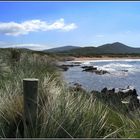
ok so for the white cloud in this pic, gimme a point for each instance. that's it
(23, 28)
(31, 46)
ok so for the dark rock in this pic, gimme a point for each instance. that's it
(110, 95)
(77, 84)
(78, 87)
(89, 68)
(101, 72)
(66, 65)
(125, 70)
(104, 90)
(134, 102)
(94, 70)
(84, 67)
(111, 91)
(63, 67)
(70, 65)
(123, 93)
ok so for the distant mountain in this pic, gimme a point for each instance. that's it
(117, 48)
(114, 48)
(22, 49)
(61, 49)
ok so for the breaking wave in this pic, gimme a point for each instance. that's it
(125, 65)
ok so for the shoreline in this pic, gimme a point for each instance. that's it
(103, 58)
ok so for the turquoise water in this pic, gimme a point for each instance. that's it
(122, 73)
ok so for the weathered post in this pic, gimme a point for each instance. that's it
(30, 89)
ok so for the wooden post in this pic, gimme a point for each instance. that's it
(30, 89)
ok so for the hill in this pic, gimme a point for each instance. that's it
(114, 48)
(117, 48)
(61, 49)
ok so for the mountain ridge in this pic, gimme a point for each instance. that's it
(110, 48)
(63, 48)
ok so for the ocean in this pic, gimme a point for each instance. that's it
(122, 73)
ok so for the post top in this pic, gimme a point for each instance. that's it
(30, 79)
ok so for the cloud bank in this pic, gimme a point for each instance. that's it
(28, 46)
(31, 46)
(23, 28)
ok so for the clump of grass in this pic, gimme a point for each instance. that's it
(15, 55)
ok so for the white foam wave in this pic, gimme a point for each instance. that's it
(87, 62)
(120, 68)
(138, 97)
(114, 65)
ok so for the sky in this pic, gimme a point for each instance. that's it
(45, 25)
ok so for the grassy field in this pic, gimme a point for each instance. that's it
(62, 112)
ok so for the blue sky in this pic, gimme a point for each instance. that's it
(43, 25)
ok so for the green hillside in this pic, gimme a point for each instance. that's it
(106, 49)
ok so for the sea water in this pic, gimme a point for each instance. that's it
(122, 73)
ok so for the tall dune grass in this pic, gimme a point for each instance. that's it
(62, 113)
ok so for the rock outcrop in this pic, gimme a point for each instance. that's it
(94, 70)
(78, 90)
(65, 67)
(120, 96)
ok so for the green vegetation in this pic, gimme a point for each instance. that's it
(62, 111)
(110, 50)
(90, 54)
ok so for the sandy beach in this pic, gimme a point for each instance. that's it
(103, 58)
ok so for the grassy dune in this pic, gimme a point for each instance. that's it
(62, 112)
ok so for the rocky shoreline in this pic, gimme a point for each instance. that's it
(116, 96)
(65, 67)
(92, 69)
